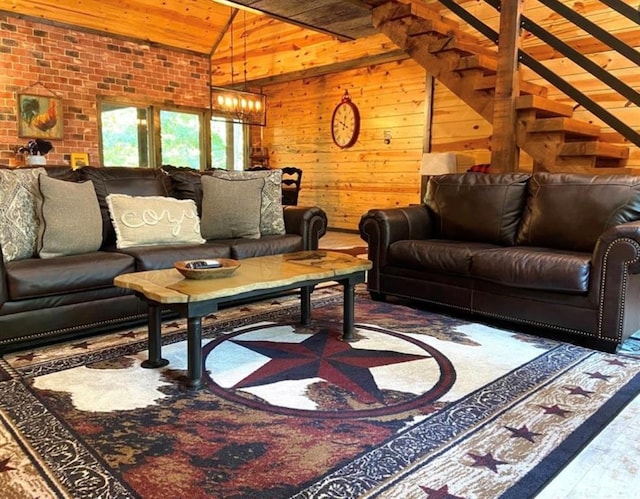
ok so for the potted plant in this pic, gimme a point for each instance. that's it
(35, 151)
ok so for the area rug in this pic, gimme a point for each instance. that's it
(421, 405)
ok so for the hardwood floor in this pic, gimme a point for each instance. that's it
(339, 239)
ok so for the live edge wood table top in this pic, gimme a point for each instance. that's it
(256, 277)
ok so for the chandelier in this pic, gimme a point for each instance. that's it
(239, 106)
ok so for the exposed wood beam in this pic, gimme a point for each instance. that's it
(395, 55)
(228, 24)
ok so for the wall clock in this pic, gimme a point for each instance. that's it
(345, 122)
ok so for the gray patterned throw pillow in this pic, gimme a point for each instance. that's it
(271, 214)
(19, 221)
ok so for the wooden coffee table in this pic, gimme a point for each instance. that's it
(256, 277)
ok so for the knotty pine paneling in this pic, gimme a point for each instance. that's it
(371, 174)
(192, 25)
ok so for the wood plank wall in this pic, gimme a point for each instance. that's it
(304, 75)
(348, 182)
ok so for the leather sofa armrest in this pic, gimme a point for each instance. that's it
(310, 222)
(381, 227)
(615, 281)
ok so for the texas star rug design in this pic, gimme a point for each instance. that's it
(422, 405)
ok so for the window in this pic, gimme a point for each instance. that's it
(128, 138)
(125, 137)
(228, 148)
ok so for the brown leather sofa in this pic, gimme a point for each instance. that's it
(43, 300)
(557, 253)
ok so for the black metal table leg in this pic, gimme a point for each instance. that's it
(155, 339)
(305, 305)
(194, 353)
(349, 312)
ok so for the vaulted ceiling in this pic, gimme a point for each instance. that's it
(195, 25)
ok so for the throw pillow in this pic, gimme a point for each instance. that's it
(231, 208)
(71, 222)
(271, 217)
(18, 212)
(152, 220)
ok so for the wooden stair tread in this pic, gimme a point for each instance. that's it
(526, 88)
(544, 107)
(465, 48)
(487, 63)
(598, 149)
(419, 26)
(566, 125)
(390, 11)
(426, 12)
(394, 11)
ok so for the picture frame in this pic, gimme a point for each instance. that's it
(79, 159)
(39, 116)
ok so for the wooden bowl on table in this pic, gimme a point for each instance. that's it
(227, 268)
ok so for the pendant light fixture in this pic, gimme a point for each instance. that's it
(239, 106)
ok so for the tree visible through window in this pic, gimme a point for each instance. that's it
(180, 138)
(124, 135)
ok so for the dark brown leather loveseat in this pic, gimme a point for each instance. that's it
(554, 251)
(42, 300)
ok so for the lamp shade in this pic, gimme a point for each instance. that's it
(438, 163)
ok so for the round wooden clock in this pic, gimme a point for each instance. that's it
(345, 122)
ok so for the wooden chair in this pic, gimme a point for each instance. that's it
(291, 180)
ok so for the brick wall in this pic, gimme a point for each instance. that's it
(78, 66)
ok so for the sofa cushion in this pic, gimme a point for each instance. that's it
(153, 220)
(570, 211)
(123, 180)
(435, 255)
(19, 219)
(534, 268)
(266, 245)
(271, 217)
(231, 208)
(71, 222)
(477, 207)
(36, 277)
(187, 184)
(163, 257)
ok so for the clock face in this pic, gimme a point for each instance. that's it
(345, 123)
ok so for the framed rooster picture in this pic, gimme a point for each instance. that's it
(39, 116)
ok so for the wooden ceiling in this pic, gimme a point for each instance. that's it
(194, 25)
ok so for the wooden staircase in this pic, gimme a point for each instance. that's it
(545, 129)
